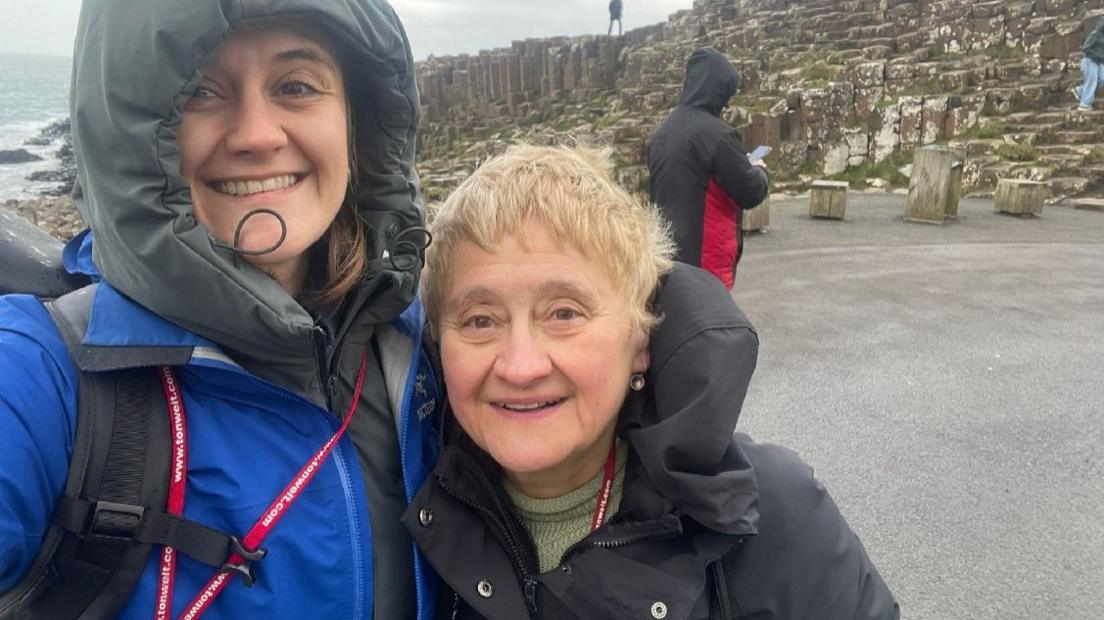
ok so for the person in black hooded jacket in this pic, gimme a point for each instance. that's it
(700, 175)
(589, 467)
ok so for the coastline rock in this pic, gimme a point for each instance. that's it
(57, 216)
(64, 175)
(49, 134)
(18, 156)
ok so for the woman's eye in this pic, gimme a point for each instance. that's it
(478, 322)
(297, 88)
(202, 92)
(565, 314)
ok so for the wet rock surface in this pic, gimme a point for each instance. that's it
(17, 156)
(64, 174)
(50, 134)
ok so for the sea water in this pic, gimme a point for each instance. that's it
(34, 92)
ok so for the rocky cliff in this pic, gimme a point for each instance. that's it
(841, 88)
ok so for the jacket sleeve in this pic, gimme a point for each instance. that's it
(38, 386)
(805, 562)
(743, 182)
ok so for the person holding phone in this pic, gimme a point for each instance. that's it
(701, 177)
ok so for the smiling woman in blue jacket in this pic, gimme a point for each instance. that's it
(246, 169)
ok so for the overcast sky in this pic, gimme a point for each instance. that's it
(436, 27)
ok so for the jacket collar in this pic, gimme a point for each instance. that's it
(473, 536)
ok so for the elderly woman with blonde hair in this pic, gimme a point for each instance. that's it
(589, 468)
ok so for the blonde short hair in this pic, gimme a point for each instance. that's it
(571, 191)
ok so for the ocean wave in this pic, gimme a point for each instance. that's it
(13, 177)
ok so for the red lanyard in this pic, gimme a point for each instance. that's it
(606, 489)
(260, 529)
(177, 474)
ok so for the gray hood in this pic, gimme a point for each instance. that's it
(126, 107)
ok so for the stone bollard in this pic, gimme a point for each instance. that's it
(934, 186)
(1020, 196)
(828, 199)
(757, 218)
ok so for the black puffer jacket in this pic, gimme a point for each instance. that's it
(710, 525)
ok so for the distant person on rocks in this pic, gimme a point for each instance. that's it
(615, 16)
(1092, 66)
(701, 177)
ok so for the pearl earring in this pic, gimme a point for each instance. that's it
(636, 382)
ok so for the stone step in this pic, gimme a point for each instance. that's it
(984, 171)
(1066, 149)
(1070, 136)
(1050, 117)
(975, 148)
(1021, 137)
(1062, 161)
(1068, 186)
(1042, 128)
(1077, 115)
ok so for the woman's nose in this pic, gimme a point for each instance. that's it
(257, 127)
(523, 360)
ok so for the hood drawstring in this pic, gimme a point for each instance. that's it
(240, 251)
(399, 247)
(400, 251)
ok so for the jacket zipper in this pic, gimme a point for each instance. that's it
(354, 517)
(653, 531)
(322, 362)
(328, 384)
(342, 467)
(528, 580)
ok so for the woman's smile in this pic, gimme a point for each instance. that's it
(528, 408)
(250, 187)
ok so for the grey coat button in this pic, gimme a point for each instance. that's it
(425, 517)
(659, 610)
(484, 588)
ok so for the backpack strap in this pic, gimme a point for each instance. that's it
(112, 510)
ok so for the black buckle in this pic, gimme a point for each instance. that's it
(112, 522)
(245, 567)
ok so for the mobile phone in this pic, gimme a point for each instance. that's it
(759, 153)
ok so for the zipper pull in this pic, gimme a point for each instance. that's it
(531, 595)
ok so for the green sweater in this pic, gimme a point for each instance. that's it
(559, 522)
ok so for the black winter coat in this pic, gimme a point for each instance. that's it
(700, 175)
(709, 526)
